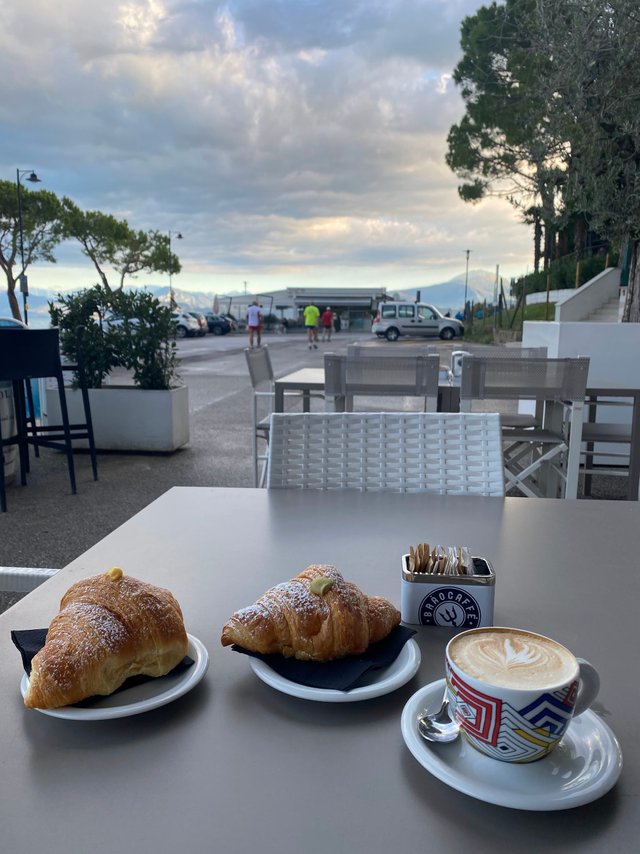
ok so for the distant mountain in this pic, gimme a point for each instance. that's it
(39, 299)
(450, 295)
(445, 296)
(187, 300)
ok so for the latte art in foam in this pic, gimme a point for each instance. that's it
(512, 659)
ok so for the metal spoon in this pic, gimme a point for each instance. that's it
(440, 726)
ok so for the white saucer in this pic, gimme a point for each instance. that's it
(379, 681)
(584, 766)
(140, 698)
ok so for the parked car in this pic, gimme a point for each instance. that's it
(202, 323)
(232, 321)
(11, 322)
(414, 318)
(218, 324)
(186, 325)
(114, 321)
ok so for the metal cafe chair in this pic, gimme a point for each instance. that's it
(510, 419)
(262, 379)
(442, 453)
(495, 353)
(612, 441)
(379, 375)
(27, 354)
(399, 350)
(261, 374)
(541, 460)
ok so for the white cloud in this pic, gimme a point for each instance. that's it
(284, 138)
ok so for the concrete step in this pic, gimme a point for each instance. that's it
(607, 313)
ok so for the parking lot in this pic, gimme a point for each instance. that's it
(47, 526)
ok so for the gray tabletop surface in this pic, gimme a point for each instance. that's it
(236, 766)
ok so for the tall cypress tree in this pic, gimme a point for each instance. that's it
(505, 143)
(594, 81)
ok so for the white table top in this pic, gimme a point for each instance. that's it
(314, 378)
(303, 378)
(235, 766)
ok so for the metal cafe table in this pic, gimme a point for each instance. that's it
(304, 380)
(236, 766)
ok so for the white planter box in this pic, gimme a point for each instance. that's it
(127, 418)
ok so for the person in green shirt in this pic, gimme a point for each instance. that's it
(311, 315)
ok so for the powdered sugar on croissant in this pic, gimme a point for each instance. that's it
(109, 627)
(293, 620)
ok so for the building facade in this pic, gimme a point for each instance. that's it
(354, 306)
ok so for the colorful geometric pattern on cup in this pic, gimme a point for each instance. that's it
(512, 735)
(514, 692)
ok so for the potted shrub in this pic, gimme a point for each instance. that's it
(131, 330)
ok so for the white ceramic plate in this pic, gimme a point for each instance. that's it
(584, 766)
(379, 681)
(140, 698)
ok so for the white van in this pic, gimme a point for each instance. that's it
(414, 318)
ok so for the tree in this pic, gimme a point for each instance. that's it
(505, 143)
(596, 97)
(147, 250)
(128, 329)
(41, 231)
(108, 241)
(561, 78)
(86, 308)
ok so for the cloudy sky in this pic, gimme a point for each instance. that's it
(291, 142)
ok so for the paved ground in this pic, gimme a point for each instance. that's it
(47, 526)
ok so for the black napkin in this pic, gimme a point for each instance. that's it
(343, 674)
(31, 641)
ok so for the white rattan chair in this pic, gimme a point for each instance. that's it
(444, 453)
(541, 460)
(14, 579)
(380, 375)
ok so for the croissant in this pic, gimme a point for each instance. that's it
(293, 620)
(109, 627)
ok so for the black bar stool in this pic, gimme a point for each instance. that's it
(27, 354)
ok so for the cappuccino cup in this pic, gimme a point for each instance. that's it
(514, 692)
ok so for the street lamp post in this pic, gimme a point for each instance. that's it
(466, 282)
(24, 285)
(172, 302)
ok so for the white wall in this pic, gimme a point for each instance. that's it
(613, 350)
(557, 296)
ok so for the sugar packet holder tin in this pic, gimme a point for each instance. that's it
(450, 601)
